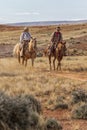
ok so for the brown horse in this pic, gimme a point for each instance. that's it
(29, 52)
(57, 54)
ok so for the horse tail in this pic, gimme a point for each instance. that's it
(16, 50)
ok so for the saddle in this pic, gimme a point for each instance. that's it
(23, 48)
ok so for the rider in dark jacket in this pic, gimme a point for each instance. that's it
(56, 38)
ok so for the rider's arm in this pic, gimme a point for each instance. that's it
(21, 37)
(29, 36)
(52, 37)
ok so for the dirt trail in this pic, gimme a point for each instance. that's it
(82, 76)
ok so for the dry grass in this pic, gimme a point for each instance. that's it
(39, 81)
(10, 35)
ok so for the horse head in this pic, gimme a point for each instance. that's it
(59, 46)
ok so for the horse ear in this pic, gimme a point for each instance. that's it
(35, 38)
(31, 37)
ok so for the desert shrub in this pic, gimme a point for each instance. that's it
(71, 38)
(4, 126)
(78, 42)
(83, 32)
(15, 113)
(78, 96)
(52, 124)
(35, 122)
(61, 106)
(5, 108)
(39, 54)
(80, 112)
(32, 103)
(60, 103)
(23, 113)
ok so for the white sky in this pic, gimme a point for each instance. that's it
(12, 11)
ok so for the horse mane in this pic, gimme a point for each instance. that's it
(59, 46)
(31, 44)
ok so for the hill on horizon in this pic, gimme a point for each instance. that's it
(46, 23)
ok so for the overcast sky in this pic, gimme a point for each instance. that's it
(12, 11)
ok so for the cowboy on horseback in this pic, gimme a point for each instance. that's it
(24, 40)
(55, 39)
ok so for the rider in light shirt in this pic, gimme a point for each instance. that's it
(24, 39)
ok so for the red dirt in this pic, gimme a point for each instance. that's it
(64, 117)
(6, 50)
(81, 76)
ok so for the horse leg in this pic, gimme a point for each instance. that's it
(54, 62)
(32, 62)
(59, 65)
(22, 61)
(19, 58)
(50, 62)
(25, 62)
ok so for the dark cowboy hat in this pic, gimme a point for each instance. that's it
(58, 28)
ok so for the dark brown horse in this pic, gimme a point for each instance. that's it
(58, 54)
(29, 52)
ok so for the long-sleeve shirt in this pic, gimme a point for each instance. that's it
(25, 36)
(56, 37)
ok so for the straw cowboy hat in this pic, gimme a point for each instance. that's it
(26, 29)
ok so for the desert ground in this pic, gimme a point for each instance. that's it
(49, 87)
